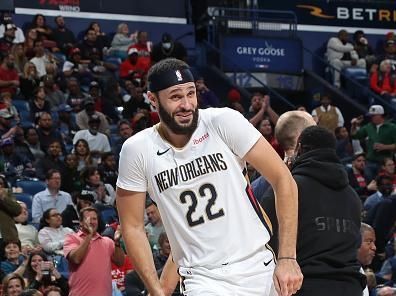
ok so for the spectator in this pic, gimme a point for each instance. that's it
(363, 48)
(390, 54)
(51, 233)
(7, 129)
(98, 142)
(143, 47)
(88, 275)
(155, 227)
(29, 81)
(75, 97)
(125, 131)
(9, 208)
(32, 141)
(101, 104)
(53, 291)
(341, 54)
(328, 116)
(101, 37)
(66, 124)
(71, 176)
(20, 58)
(84, 115)
(41, 273)
(7, 19)
(7, 41)
(14, 261)
(71, 215)
(137, 102)
(77, 68)
(52, 161)
(324, 196)
(385, 188)
(132, 67)
(344, 148)
(388, 169)
(122, 40)
(51, 197)
(13, 285)
(206, 97)
(63, 37)
(47, 132)
(31, 37)
(90, 48)
(366, 252)
(108, 169)
(27, 233)
(260, 107)
(42, 60)
(380, 135)
(16, 166)
(39, 23)
(6, 102)
(168, 48)
(9, 79)
(383, 81)
(83, 154)
(163, 252)
(265, 128)
(39, 104)
(54, 96)
(357, 177)
(103, 192)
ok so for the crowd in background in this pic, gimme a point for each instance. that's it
(67, 106)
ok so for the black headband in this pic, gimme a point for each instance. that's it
(170, 78)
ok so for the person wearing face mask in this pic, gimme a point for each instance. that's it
(168, 48)
(9, 79)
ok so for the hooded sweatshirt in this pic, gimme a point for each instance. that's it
(328, 218)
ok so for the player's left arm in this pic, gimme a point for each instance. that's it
(287, 276)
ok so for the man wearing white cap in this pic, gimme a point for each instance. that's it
(381, 138)
(132, 67)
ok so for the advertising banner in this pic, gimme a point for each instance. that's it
(170, 8)
(261, 54)
(362, 14)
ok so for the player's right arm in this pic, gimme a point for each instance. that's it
(131, 205)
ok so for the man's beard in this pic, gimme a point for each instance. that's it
(10, 65)
(176, 128)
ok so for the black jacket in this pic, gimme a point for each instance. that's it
(328, 218)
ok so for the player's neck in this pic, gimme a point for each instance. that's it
(176, 140)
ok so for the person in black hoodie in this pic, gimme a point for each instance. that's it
(328, 219)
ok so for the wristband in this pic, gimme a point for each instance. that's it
(287, 258)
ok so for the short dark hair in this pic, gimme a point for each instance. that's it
(166, 65)
(51, 172)
(14, 241)
(381, 178)
(316, 137)
(88, 209)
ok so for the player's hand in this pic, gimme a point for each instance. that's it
(287, 277)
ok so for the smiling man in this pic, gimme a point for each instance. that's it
(193, 165)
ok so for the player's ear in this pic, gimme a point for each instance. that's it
(153, 99)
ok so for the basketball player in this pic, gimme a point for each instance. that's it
(192, 164)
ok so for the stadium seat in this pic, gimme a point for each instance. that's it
(108, 215)
(30, 186)
(21, 105)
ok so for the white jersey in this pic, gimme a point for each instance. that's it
(206, 205)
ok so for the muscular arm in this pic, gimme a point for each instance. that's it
(169, 276)
(130, 206)
(287, 275)
(286, 202)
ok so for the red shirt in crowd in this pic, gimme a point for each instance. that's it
(144, 55)
(387, 84)
(118, 273)
(8, 75)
